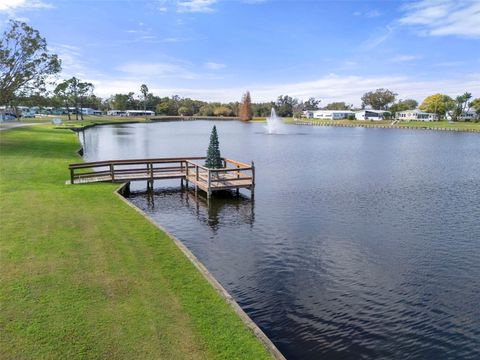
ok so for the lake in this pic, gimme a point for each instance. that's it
(359, 244)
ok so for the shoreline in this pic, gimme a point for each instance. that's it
(381, 126)
(470, 127)
(455, 127)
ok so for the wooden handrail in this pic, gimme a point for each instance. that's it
(230, 169)
(238, 163)
(196, 165)
(131, 162)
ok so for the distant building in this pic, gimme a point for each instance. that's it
(328, 114)
(7, 115)
(375, 115)
(465, 116)
(27, 112)
(90, 111)
(415, 115)
(140, 113)
(117, 113)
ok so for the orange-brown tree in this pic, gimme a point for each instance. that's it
(245, 112)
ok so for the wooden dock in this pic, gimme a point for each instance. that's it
(233, 175)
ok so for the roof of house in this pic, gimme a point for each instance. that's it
(373, 111)
(418, 111)
(334, 111)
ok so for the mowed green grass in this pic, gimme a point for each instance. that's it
(84, 276)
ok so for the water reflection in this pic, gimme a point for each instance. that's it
(224, 208)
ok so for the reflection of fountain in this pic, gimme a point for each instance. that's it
(275, 124)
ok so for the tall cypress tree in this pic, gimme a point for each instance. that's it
(245, 112)
(214, 159)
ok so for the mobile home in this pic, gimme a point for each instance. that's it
(375, 115)
(415, 115)
(329, 114)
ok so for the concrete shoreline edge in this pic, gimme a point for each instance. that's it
(248, 322)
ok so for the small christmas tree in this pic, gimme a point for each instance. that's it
(214, 160)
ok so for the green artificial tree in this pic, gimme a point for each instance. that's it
(214, 160)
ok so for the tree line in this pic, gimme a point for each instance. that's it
(27, 68)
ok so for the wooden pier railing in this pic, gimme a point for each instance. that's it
(233, 175)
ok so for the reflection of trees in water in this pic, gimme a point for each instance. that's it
(223, 208)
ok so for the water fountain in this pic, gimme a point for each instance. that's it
(275, 124)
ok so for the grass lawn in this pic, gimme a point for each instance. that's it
(85, 276)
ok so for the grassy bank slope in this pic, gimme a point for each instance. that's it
(85, 276)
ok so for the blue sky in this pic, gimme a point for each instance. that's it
(217, 49)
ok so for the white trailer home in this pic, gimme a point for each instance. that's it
(415, 115)
(117, 113)
(90, 111)
(465, 116)
(375, 115)
(329, 114)
(140, 113)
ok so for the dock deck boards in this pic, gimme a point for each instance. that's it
(234, 174)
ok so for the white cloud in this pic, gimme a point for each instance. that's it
(373, 13)
(328, 88)
(254, 2)
(404, 58)
(153, 70)
(450, 63)
(173, 39)
(160, 70)
(369, 14)
(214, 66)
(196, 6)
(161, 5)
(378, 38)
(443, 17)
(73, 62)
(10, 6)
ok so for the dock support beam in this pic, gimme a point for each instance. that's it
(112, 172)
(150, 185)
(252, 188)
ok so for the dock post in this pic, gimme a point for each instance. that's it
(209, 184)
(252, 188)
(186, 174)
(112, 173)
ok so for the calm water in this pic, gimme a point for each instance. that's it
(361, 243)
